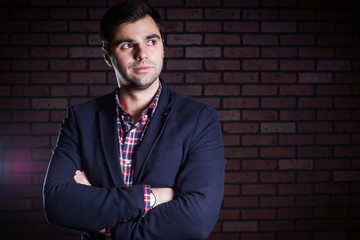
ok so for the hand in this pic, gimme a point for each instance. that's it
(80, 178)
(163, 195)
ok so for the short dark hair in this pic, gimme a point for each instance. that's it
(127, 11)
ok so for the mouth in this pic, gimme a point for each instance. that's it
(142, 69)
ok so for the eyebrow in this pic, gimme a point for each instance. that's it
(130, 40)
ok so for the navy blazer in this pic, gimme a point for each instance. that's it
(182, 149)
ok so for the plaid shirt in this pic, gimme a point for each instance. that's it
(130, 135)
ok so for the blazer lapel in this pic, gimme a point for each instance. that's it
(109, 141)
(153, 132)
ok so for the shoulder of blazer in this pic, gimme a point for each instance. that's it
(106, 102)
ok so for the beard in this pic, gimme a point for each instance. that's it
(131, 78)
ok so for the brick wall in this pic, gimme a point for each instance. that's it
(283, 75)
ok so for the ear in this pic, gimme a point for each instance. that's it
(106, 57)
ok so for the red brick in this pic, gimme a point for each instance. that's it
(225, 13)
(206, 26)
(15, 204)
(260, 65)
(240, 226)
(222, 90)
(277, 225)
(71, 13)
(221, 39)
(49, 26)
(243, 52)
(69, 65)
(313, 225)
(192, 90)
(31, 141)
(278, 77)
(258, 214)
(240, 202)
(346, 176)
(330, 164)
(331, 212)
(260, 14)
(259, 90)
(14, 52)
(278, 27)
(278, 102)
(351, 151)
(277, 177)
(240, 102)
(303, 14)
(296, 164)
(67, 39)
(244, 3)
(347, 102)
(174, 52)
(45, 128)
(330, 235)
(297, 39)
(49, 103)
(184, 39)
(279, 52)
(88, 78)
(13, 78)
(241, 127)
(297, 90)
(203, 52)
(334, 40)
(213, 65)
(203, 77)
(347, 52)
(332, 188)
(277, 152)
(231, 190)
(174, 26)
(333, 65)
(201, 3)
(184, 13)
(48, 77)
(229, 214)
(278, 127)
(243, 27)
(12, 103)
(295, 213)
(240, 177)
(345, 200)
(84, 26)
(242, 152)
(314, 177)
(295, 235)
(73, 90)
(259, 164)
(316, 52)
(231, 140)
(260, 39)
(259, 115)
(98, 65)
(314, 127)
(170, 77)
(315, 102)
(318, 27)
(258, 140)
(312, 200)
(14, 128)
(315, 77)
(346, 77)
(332, 139)
(229, 115)
(335, 115)
(297, 65)
(314, 152)
(296, 139)
(295, 189)
(29, 65)
(257, 236)
(345, 127)
(183, 64)
(32, 91)
(279, 201)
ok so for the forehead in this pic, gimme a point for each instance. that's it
(136, 30)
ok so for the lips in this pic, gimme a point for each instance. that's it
(142, 69)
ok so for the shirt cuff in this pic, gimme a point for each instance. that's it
(147, 192)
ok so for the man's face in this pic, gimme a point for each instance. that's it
(136, 53)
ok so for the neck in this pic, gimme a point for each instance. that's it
(135, 101)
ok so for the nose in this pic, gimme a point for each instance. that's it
(141, 52)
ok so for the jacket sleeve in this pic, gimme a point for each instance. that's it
(199, 188)
(78, 206)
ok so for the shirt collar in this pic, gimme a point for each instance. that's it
(149, 111)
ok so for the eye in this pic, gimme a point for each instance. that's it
(126, 46)
(152, 42)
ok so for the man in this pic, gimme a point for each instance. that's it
(143, 162)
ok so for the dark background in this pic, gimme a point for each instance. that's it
(283, 75)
